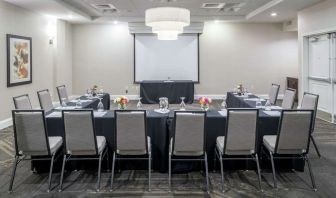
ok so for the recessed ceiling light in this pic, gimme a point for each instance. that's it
(115, 22)
(274, 14)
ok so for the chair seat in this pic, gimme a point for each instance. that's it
(188, 153)
(220, 147)
(55, 142)
(269, 141)
(101, 143)
(132, 152)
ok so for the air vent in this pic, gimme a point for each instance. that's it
(213, 5)
(232, 7)
(105, 7)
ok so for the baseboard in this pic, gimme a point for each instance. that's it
(6, 123)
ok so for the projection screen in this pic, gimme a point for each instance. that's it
(166, 60)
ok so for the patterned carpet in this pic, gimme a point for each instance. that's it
(134, 183)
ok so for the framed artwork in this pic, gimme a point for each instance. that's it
(19, 60)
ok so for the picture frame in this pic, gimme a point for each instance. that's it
(19, 60)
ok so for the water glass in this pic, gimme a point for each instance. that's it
(223, 104)
(100, 106)
(182, 105)
(78, 104)
(139, 104)
(268, 106)
(64, 104)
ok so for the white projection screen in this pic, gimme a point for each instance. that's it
(166, 60)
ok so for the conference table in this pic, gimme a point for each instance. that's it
(159, 128)
(151, 91)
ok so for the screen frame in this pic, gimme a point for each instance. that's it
(198, 59)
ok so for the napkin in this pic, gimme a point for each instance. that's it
(66, 108)
(223, 112)
(99, 113)
(55, 114)
(272, 113)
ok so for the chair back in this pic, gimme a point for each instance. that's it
(130, 132)
(45, 100)
(189, 129)
(80, 135)
(288, 100)
(22, 102)
(31, 137)
(310, 101)
(241, 132)
(62, 93)
(294, 132)
(273, 93)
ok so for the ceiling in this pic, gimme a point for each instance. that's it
(86, 11)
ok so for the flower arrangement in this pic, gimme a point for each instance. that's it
(204, 102)
(121, 101)
(94, 90)
(240, 88)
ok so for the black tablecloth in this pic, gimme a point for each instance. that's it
(151, 91)
(159, 129)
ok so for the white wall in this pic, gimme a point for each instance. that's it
(18, 21)
(316, 19)
(230, 53)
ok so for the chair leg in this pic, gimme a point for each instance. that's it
(206, 172)
(258, 169)
(149, 171)
(112, 171)
(169, 173)
(311, 173)
(99, 171)
(222, 171)
(214, 161)
(62, 173)
(16, 161)
(315, 146)
(50, 171)
(273, 170)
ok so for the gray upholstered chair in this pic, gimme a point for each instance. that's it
(239, 140)
(31, 139)
(310, 101)
(288, 99)
(81, 141)
(188, 141)
(131, 139)
(273, 93)
(22, 102)
(45, 100)
(292, 139)
(62, 93)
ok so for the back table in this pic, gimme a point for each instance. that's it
(159, 129)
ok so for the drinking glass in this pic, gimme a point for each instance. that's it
(100, 106)
(64, 104)
(166, 103)
(161, 103)
(182, 105)
(78, 104)
(223, 104)
(139, 104)
(268, 106)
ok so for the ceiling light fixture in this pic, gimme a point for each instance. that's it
(167, 22)
(274, 14)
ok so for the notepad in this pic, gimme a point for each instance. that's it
(66, 108)
(223, 112)
(272, 113)
(255, 99)
(163, 111)
(99, 114)
(55, 114)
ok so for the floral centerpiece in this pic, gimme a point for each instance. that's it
(204, 102)
(240, 89)
(94, 90)
(121, 101)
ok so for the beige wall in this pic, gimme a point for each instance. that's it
(15, 20)
(316, 19)
(253, 54)
(230, 53)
